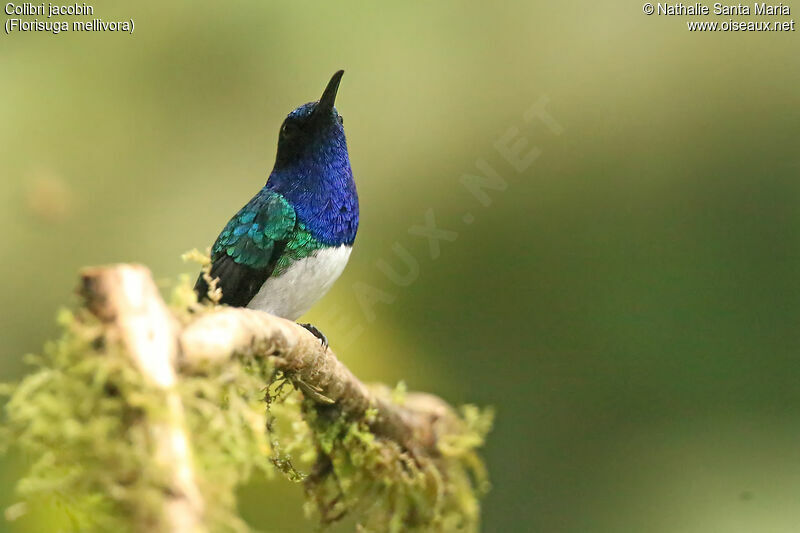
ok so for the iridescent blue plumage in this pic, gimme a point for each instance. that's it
(318, 180)
(308, 205)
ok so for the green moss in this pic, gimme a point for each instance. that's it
(77, 416)
(80, 416)
(388, 488)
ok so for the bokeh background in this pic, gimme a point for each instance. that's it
(629, 303)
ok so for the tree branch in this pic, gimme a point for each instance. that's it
(313, 368)
(126, 298)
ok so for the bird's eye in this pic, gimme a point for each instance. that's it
(341, 120)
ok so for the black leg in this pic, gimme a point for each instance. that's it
(317, 333)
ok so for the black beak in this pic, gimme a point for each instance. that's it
(325, 105)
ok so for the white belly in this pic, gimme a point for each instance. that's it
(293, 293)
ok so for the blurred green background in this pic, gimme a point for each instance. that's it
(629, 303)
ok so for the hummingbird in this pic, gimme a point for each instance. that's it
(285, 248)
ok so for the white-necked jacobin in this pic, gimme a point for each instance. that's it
(284, 249)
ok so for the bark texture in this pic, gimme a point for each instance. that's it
(127, 300)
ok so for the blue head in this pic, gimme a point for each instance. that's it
(312, 169)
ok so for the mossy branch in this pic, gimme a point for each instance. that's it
(315, 370)
(189, 393)
(126, 299)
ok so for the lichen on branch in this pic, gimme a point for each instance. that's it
(257, 395)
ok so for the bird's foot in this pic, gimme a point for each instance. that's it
(317, 333)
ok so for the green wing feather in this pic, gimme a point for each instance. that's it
(251, 236)
(246, 252)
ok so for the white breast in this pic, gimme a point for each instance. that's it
(293, 293)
